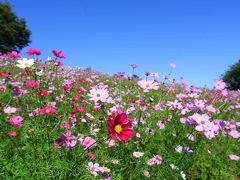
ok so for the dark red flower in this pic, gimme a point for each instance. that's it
(120, 127)
(5, 74)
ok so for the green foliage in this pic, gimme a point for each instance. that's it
(232, 77)
(14, 34)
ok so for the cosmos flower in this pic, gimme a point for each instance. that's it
(87, 142)
(138, 154)
(156, 159)
(98, 94)
(14, 54)
(58, 54)
(134, 66)
(33, 51)
(25, 63)
(32, 84)
(10, 110)
(93, 168)
(104, 170)
(12, 134)
(69, 140)
(148, 85)
(201, 120)
(48, 110)
(219, 84)
(16, 121)
(234, 157)
(172, 65)
(120, 127)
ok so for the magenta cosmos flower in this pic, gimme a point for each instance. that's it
(120, 127)
(134, 66)
(32, 84)
(16, 121)
(33, 51)
(48, 110)
(147, 85)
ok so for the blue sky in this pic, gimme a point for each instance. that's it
(201, 37)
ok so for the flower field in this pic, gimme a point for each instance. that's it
(71, 123)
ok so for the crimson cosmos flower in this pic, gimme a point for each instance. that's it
(120, 127)
(58, 54)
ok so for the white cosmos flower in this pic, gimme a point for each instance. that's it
(24, 63)
(147, 85)
(93, 168)
(98, 94)
(138, 154)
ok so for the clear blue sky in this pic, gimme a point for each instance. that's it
(201, 36)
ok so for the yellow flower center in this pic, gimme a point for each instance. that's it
(98, 95)
(147, 85)
(202, 121)
(26, 64)
(118, 129)
(68, 138)
(48, 111)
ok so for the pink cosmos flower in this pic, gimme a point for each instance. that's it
(172, 65)
(35, 112)
(234, 157)
(57, 63)
(201, 121)
(32, 84)
(16, 121)
(155, 160)
(160, 124)
(93, 168)
(219, 84)
(10, 110)
(91, 155)
(12, 134)
(72, 118)
(87, 142)
(33, 51)
(134, 66)
(14, 54)
(199, 103)
(190, 137)
(110, 142)
(234, 133)
(65, 125)
(147, 85)
(69, 140)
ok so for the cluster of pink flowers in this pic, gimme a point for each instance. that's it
(156, 159)
(94, 168)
